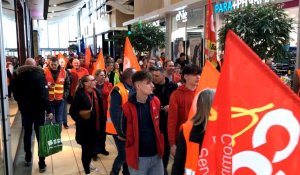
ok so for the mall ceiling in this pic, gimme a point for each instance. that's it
(58, 9)
(62, 8)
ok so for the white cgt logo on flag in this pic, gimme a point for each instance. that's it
(262, 165)
(126, 63)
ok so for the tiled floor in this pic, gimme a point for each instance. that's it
(68, 162)
(13, 109)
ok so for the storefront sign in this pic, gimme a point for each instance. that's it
(182, 16)
(231, 5)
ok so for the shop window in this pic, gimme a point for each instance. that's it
(188, 34)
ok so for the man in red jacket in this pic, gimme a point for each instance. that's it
(144, 141)
(180, 103)
(77, 72)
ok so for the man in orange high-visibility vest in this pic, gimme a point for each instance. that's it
(115, 119)
(58, 88)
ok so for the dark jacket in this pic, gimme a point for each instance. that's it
(116, 112)
(31, 91)
(182, 63)
(111, 77)
(85, 129)
(163, 92)
(133, 130)
(196, 136)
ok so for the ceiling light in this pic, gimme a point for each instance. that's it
(52, 11)
(51, 16)
(54, 5)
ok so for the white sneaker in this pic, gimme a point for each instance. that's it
(93, 168)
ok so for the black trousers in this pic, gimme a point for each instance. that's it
(166, 155)
(101, 137)
(87, 148)
(28, 122)
(102, 134)
(163, 126)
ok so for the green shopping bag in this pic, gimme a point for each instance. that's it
(50, 140)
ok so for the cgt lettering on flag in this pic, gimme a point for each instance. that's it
(271, 119)
(245, 159)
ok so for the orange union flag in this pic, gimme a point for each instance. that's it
(254, 124)
(88, 57)
(99, 63)
(209, 79)
(130, 59)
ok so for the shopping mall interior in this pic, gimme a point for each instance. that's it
(47, 27)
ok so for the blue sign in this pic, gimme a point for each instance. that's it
(231, 5)
(223, 7)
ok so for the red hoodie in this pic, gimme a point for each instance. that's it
(180, 103)
(75, 76)
(107, 87)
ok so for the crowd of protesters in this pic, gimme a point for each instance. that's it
(143, 110)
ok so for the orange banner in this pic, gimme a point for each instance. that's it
(99, 63)
(88, 57)
(254, 124)
(60, 55)
(130, 59)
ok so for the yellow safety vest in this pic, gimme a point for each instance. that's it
(56, 89)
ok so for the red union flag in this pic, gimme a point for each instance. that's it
(130, 59)
(210, 36)
(254, 122)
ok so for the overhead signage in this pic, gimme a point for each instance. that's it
(182, 16)
(235, 4)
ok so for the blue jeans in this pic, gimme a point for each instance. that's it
(120, 159)
(57, 110)
(148, 166)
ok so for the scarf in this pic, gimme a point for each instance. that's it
(94, 105)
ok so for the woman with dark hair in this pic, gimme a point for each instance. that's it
(191, 136)
(86, 110)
